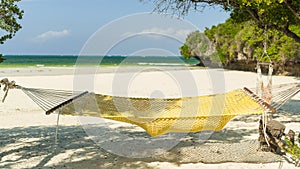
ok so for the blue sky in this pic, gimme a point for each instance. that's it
(63, 27)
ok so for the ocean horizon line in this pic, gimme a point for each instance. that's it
(71, 60)
(74, 55)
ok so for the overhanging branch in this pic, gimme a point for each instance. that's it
(292, 8)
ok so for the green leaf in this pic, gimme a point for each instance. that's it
(9, 15)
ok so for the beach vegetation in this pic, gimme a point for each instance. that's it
(245, 41)
(198, 46)
(293, 149)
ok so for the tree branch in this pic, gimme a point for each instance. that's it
(293, 8)
(289, 33)
(286, 31)
(255, 17)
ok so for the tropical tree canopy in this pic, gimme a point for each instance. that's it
(281, 15)
(9, 15)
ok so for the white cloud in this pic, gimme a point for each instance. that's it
(176, 33)
(52, 34)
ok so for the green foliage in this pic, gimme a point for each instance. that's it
(244, 40)
(9, 15)
(280, 15)
(242, 35)
(224, 37)
(185, 51)
(199, 46)
(241, 40)
(218, 57)
(293, 149)
(1, 58)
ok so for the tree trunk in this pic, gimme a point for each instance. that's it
(274, 132)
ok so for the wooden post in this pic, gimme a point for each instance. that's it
(274, 132)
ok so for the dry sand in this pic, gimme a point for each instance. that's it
(27, 135)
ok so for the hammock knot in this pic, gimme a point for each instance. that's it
(7, 85)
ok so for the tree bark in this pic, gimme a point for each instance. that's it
(274, 132)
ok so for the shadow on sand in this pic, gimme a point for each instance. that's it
(34, 147)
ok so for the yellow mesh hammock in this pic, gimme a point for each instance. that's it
(159, 116)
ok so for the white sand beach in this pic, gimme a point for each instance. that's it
(27, 135)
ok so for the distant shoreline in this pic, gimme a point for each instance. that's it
(7, 71)
(108, 64)
(70, 70)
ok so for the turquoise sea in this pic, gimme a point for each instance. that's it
(68, 61)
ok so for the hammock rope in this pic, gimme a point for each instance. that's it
(162, 115)
(265, 91)
(284, 94)
(7, 85)
(50, 100)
